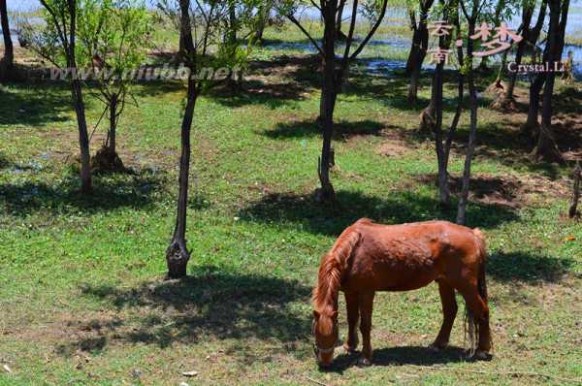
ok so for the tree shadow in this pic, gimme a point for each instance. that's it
(273, 83)
(111, 191)
(258, 92)
(34, 105)
(528, 267)
(403, 356)
(210, 303)
(504, 143)
(304, 212)
(158, 87)
(343, 130)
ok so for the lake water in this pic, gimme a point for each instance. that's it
(395, 15)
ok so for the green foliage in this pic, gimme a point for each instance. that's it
(115, 30)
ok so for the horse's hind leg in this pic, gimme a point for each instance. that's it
(449, 304)
(478, 306)
(353, 309)
(366, 306)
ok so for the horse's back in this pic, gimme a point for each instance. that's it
(410, 256)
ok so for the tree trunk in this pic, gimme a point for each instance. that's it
(418, 49)
(525, 22)
(536, 31)
(531, 126)
(112, 134)
(443, 149)
(464, 197)
(573, 212)
(339, 35)
(77, 93)
(177, 254)
(86, 184)
(546, 147)
(7, 62)
(328, 95)
(231, 41)
(262, 20)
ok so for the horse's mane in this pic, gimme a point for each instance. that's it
(332, 269)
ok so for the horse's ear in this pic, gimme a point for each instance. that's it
(315, 315)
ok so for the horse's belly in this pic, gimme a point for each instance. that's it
(391, 280)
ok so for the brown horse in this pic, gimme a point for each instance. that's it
(371, 257)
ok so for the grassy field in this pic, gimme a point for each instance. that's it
(82, 295)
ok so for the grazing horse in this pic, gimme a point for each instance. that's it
(369, 257)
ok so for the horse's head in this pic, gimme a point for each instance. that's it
(325, 331)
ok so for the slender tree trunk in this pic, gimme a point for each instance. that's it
(112, 134)
(418, 49)
(328, 95)
(443, 149)
(464, 198)
(531, 127)
(231, 41)
(340, 36)
(536, 31)
(77, 93)
(573, 212)
(526, 31)
(546, 147)
(177, 254)
(262, 20)
(7, 62)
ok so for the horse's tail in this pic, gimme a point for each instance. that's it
(333, 267)
(472, 328)
(482, 246)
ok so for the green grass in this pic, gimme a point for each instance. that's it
(82, 295)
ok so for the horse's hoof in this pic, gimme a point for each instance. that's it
(349, 350)
(364, 362)
(480, 356)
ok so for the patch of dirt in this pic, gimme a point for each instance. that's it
(507, 191)
(393, 149)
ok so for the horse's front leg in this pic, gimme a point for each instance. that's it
(450, 308)
(366, 306)
(353, 310)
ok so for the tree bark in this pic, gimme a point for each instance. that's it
(573, 212)
(547, 148)
(531, 127)
(328, 99)
(464, 197)
(442, 144)
(112, 134)
(7, 62)
(177, 254)
(339, 35)
(527, 15)
(418, 49)
(262, 19)
(77, 93)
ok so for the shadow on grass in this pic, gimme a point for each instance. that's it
(34, 105)
(397, 207)
(274, 83)
(528, 267)
(210, 303)
(309, 128)
(402, 356)
(504, 143)
(111, 191)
